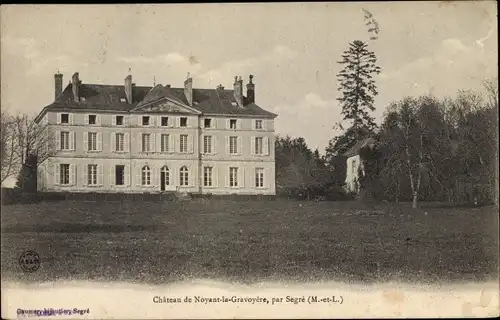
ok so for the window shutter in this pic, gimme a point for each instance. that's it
(177, 143)
(240, 145)
(57, 173)
(73, 140)
(85, 141)
(158, 142)
(139, 121)
(214, 144)
(113, 120)
(264, 124)
(215, 176)
(214, 123)
(238, 124)
(228, 172)
(265, 141)
(125, 142)
(58, 140)
(241, 177)
(112, 172)
(100, 175)
(227, 144)
(72, 170)
(138, 176)
(154, 177)
(58, 118)
(99, 141)
(253, 175)
(190, 143)
(177, 122)
(158, 121)
(98, 119)
(252, 145)
(86, 119)
(126, 174)
(85, 174)
(113, 142)
(152, 142)
(140, 141)
(81, 174)
(228, 123)
(70, 118)
(268, 177)
(171, 143)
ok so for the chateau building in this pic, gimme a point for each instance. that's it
(135, 139)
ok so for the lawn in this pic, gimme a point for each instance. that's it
(250, 241)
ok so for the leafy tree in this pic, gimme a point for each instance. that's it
(358, 90)
(357, 85)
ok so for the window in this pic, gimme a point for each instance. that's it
(119, 120)
(233, 145)
(123, 100)
(233, 177)
(258, 124)
(164, 121)
(92, 141)
(64, 173)
(207, 176)
(64, 118)
(146, 142)
(184, 176)
(119, 142)
(208, 123)
(119, 175)
(184, 143)
(145, 121)
(164, 142)
(259, 177)
(184, 121)
(207, 144)
(92, 118)
(146, 176)
(92, 174)
(165, 173)
(258, 145)
(64, 140)
(232, 124)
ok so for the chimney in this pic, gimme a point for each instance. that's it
(188, 90)
(58, 83)
(75, 85)
(128, 88)
(250, 90)
(238, 90)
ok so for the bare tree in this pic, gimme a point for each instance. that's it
(32, 139)
(8, 146)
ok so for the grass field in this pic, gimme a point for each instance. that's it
(250, 241)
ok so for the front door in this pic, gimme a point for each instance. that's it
(162, 180)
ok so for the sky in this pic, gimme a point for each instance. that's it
(292, 49)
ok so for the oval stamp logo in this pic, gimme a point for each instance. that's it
(29, 261)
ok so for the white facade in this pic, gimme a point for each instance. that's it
(90, 151)
(352, 173)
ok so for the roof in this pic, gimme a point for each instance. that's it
(358, 146)
(113, 98)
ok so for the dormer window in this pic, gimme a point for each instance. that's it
(64, 118)
(145, 120)
(207, 123)
(123, 100)
(92, 119)
(184, 121)
(119, 120)
(232, 124)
